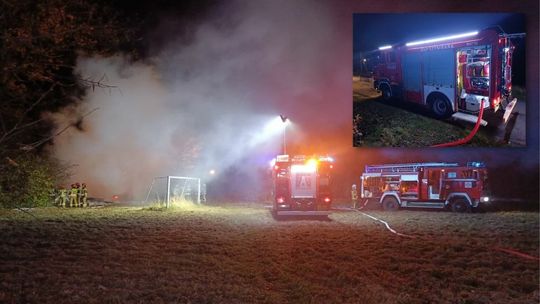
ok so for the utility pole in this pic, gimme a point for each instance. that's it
(285, 120)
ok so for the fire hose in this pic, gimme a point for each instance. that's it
(500, 249)
(471, 135)
(386, 224)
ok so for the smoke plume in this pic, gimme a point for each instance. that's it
(207, 104)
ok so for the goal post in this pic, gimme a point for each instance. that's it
(165, 189)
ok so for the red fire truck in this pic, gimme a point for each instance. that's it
(302, 185)
(449, 75)
(426, 185)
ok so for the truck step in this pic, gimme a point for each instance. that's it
(434, 205)
(303, 213)
(468, 118)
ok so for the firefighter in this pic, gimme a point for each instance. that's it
(73, 196)
(354, 195)
(53, 194)
(79, 194)
(84, 195)
(62, 197)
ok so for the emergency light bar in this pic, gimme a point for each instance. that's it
(385, 47)
(326, 158)
(441, 38)
(282, 158)
(310, 167)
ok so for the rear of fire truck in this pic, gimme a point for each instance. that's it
(302, 185)
(484, 74)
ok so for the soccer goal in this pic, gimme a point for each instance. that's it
(167, 189)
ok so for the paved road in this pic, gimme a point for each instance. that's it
(518, 135)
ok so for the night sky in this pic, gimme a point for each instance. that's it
(374, 30)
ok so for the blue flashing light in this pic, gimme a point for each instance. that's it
(476, 164)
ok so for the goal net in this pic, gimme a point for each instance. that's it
(166, 190)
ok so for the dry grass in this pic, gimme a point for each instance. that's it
(242, 255)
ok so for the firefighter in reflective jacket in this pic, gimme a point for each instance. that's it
(73, 196)
(53, 194)
(79, 193)
(354, 196)
(84, 195)
(62, 197)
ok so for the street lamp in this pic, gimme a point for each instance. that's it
(285, 121)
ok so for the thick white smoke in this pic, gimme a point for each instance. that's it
(206, 104)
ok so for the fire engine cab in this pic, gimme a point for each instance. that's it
(449, 75)
(302, 185)
(426, 185)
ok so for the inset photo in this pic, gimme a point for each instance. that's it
(439, 80)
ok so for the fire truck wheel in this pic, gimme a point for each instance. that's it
(440, 106)
(390, 204)
(460, 205)
(385, 91)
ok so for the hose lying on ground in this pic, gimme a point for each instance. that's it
(468, 137)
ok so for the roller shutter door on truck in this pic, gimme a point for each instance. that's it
(439, 68)
(412, 76)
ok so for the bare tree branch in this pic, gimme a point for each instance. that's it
(38, 143)
(11, 162)
(91, 83)
(15, 128)
(21, 129)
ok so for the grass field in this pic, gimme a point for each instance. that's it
(384, 125)
(401, 124)
(241, 254)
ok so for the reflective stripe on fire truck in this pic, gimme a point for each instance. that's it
(460, 180)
